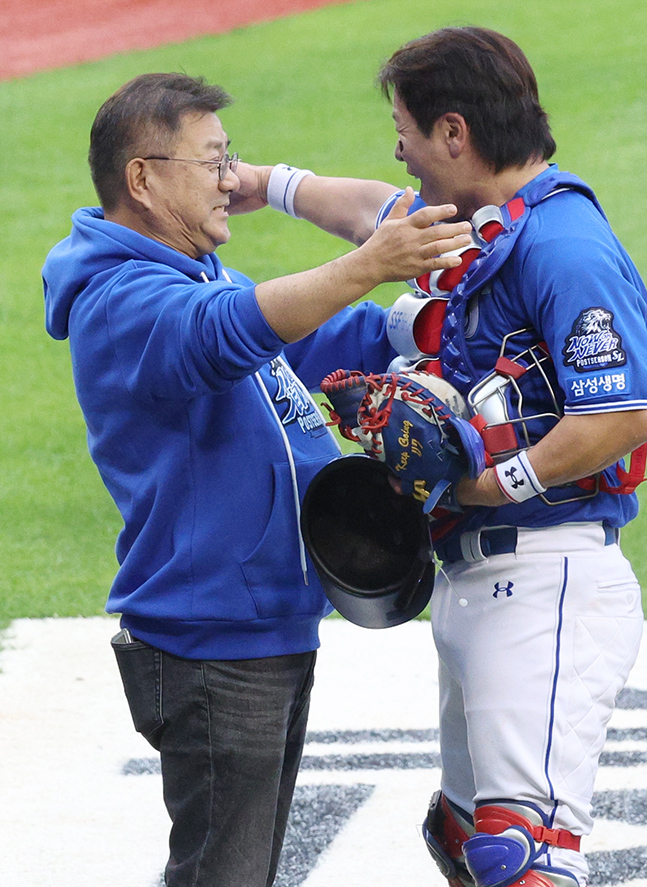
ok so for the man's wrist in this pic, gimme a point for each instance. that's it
(517, 479)
(483, 490)
(282, 187)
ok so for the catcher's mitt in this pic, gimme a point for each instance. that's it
(412, 421)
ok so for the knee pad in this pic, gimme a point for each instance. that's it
(509, 837)
(445, 830)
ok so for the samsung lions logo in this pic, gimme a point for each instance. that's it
(593, 343)
(301, 408)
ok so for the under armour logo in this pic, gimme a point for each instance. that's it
(499, 589)
(514, 480)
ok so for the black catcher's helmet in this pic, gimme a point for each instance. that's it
(370, 546)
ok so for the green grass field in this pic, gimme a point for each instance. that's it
(304, 91)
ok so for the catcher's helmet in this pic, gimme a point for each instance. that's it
(370, 546)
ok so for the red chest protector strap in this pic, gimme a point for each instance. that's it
(629, 480)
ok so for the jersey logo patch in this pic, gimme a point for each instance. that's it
(593, 343)
(300, 408)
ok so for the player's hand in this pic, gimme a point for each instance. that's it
(252, 193)
(406, 246)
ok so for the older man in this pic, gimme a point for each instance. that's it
(201, 425)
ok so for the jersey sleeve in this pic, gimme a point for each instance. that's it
(178, 339)
(354, 339)
(388, 205)
(591, 309)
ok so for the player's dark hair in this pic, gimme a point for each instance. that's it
(143, 117)
(481, 75)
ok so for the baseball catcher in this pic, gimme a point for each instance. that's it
(412, 421)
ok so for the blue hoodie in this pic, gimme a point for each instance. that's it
(204, 436)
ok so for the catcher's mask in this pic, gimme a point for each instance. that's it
(518, 403)
(370, 546)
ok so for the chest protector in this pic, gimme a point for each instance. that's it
(456, 365)
(455, 362)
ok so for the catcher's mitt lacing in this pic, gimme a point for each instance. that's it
(372, 418)
(340, 380)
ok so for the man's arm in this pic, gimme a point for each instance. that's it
(577, 447)
(404, 246)
(344, 207)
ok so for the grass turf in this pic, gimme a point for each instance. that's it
(304, 91)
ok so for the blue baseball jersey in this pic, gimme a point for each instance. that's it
(570, 284)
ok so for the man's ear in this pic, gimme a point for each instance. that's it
(137, 181)
(455, 132)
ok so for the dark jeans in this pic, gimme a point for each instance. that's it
(230, 736)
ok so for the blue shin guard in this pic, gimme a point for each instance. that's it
(499, 860)
(509, 838)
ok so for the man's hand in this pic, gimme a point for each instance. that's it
(403, 244)
(483, 490)
(252, 194)
(402, 247)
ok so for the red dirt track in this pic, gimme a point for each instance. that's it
(38, 35)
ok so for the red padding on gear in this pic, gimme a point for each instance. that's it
(423, 282)
(493, 820)
(629, 480)
(490, 230)
(534, 878)
(516, 207)
(508, 368)
(496, 438)
(445, 522)
(500, 439)
(451, 276)
(453, 835)
(428, 326)
(431, 366)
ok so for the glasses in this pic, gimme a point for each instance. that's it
(223, 165)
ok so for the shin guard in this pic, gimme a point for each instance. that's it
(509, 837)
(445, 830)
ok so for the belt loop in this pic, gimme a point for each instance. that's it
(611, 534)
(471, 547)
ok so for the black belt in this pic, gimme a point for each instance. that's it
(484, 543)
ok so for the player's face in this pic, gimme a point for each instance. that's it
(190, 200)
(426, 157)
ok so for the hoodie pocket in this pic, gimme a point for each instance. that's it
(273, 569)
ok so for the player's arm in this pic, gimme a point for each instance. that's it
(344, 207)
(577, 447)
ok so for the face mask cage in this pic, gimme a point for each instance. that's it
(517, 402)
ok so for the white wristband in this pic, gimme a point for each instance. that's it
(282, 186)
(517, 479)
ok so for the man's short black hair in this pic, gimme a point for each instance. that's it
(143, 117)
(485, 77)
